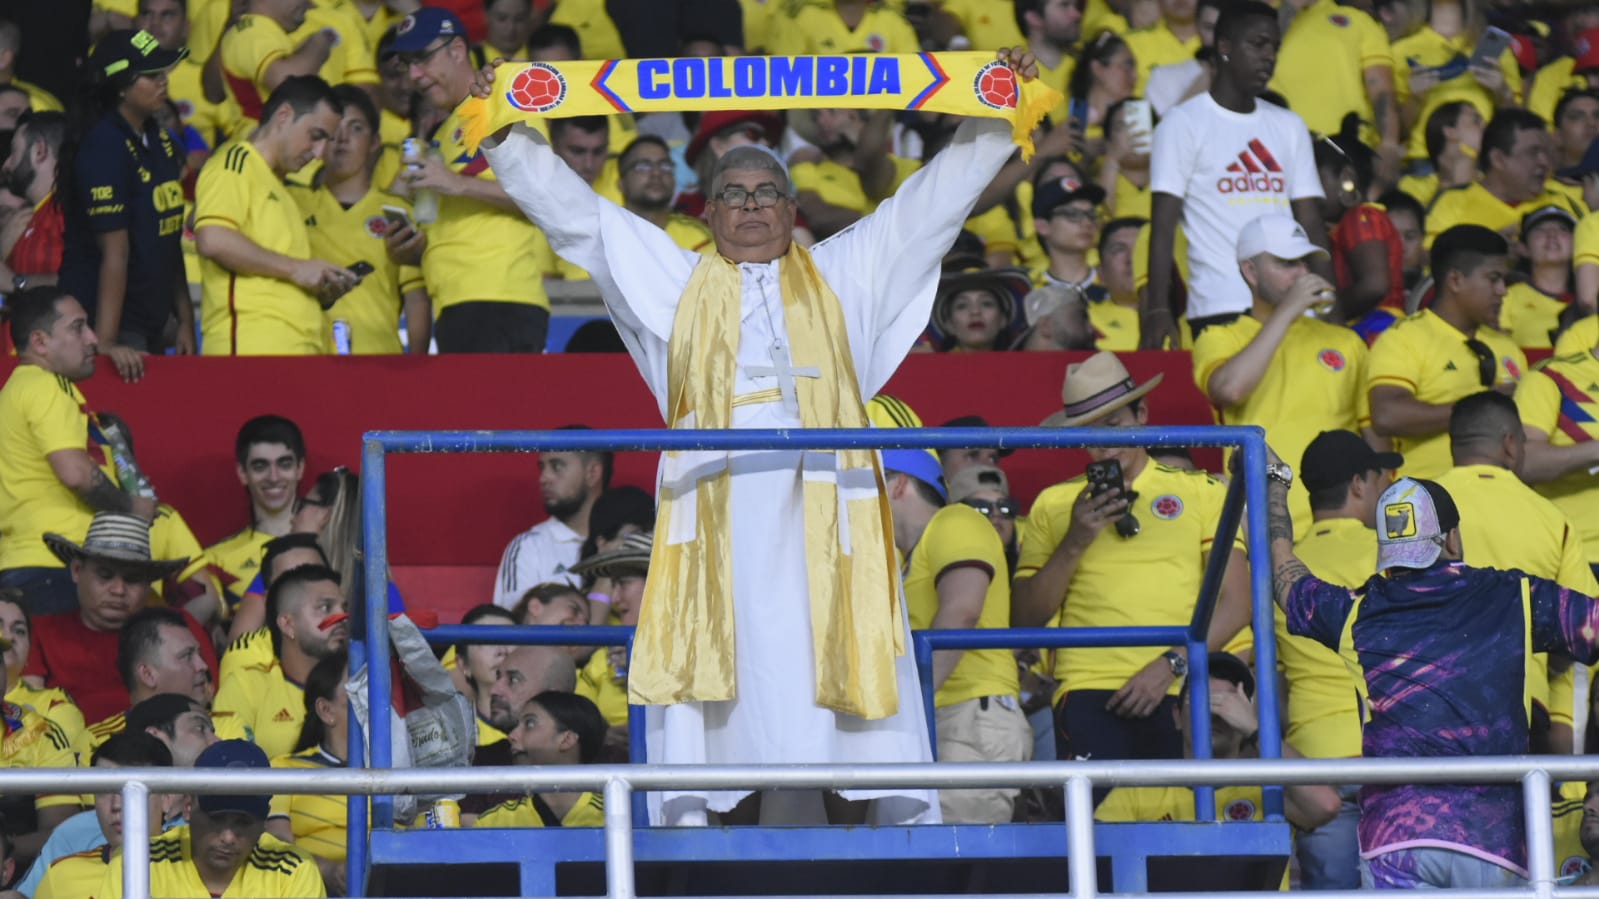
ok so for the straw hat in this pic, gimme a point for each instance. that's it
(632, 556)
(1094, 388)
(122, 540)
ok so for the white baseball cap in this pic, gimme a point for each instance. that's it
(1278, 235)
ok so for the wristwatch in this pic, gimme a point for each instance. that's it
(1281, 473)
(1177, 661)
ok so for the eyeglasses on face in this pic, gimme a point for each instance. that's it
(765, 196)
(1077, 215)
(421, 58)
(1487, 365)
(1007, 507)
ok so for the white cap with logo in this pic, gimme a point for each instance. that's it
(1278, 235)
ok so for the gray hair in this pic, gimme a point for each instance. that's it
(751, 157)
(1049, 299)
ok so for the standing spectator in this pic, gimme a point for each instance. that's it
(1576, 119)
(1367, 254)
(1431, 75)
(1174, 39)
(1171, 84)
(124, 253)
(957, 577)
(1219, 159)
(318, 823)
(32, 235)
(1344, 478)
(603, 679)
(1335, 62)
(510, 24)
(1454, 143)
(1115, 314)
(257, 55)
(1533, 308)
(986, 489)
(1408, 218)
(1422, 365)
(1051, 29)
(1514, 165)
(347, 225)
(1083, 550)
(1506, 525)
(39, 99)
(1575, 29)
(168, 22)
(1453, 643)
(1104, 77)
(1277, 367)
(1559, 408)
(569, 485)
(269, 460)
(954, 461)
(262, 290)
(485, 262)
(841, 26)
(1066, 217)
(648, 184)
(853, 173)
(49, 482)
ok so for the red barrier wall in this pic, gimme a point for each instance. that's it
(459, 511)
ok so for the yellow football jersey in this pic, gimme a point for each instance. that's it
(532, 811)
(45, 414)
(266, 702)
(273, 870)
(346, 236)
(318, 822)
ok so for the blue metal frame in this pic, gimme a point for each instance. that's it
(1246, 495)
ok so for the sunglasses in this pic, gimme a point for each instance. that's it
(1007, 507)
(1487, 365)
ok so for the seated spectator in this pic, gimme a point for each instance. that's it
(975, 307)
(178, 720)
(77, 651)
(477, 667)
(317, 823)
(14, 105)
(1561, 419)
(79, 874)
(649, 183)
(39, 99)
(269, 459)
(1533, 308)
(31, 239)
(1057, 319)
(279, 555)
(262, 290)
(1454, 143)
(1408, 218)
(257, 55)
(617, 513)
(954, 461)
(33, 741)
(347, 224)
(267, 698)
(525, 672)
(1515, 167)
(53, 703)
(1433, 77)
(1066, 217)
(558, 604)
(553, 728)
(958, 577)
(48, 479)
(1174, 39)
(603, 679)
(509, 25)
(1367, 254)
(569, 485)
(225, 849)
(1171, 84)
(590, 20)
(1576, 119)
(1422, 365)
(1588, 838)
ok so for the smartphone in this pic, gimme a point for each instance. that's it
(1492, 45)
(1139, 117)
(397, 218)
(1103, 476)
(361, 269)
(1077, 114)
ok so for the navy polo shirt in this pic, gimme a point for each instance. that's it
(124, 181)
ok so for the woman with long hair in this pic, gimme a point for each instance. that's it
(1368, 255)
(1106, 74)
(317, 823)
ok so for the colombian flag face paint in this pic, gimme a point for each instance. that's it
(968, 84)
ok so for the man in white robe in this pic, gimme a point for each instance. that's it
(884, 270)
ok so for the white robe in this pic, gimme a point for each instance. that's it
(885, 270)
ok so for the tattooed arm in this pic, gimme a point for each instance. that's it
(1286, 568)
(77, 471)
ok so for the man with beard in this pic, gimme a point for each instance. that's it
(1052, 28)
(569, 482)
(31, 237)
(1514, 164)
(553, 728)
(267, 697)
(523, 673)
(649, 183)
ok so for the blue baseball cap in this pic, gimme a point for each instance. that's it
(918, 463)
(234, 754)
(423, 27)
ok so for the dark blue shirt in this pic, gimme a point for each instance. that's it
(125, 181)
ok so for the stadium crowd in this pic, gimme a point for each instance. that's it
(1360, 219)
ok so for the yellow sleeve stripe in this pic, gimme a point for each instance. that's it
(260, 70)
(218, 220)
(1395, 380)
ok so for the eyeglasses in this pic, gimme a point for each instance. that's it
(421, 58)
(1007, 507)
(660, 165)
(1487, 365)
(765, 196)
(311, 499)
(1077, 215)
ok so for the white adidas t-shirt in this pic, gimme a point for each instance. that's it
(1228, 168)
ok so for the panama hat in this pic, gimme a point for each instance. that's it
(631, 556)
(1094, 388)
(122, 540)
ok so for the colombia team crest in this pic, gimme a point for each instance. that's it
(1332, 360)
(1240, 810)
(377, 226)
(996, 87)
(537, 88)
(1166, 506)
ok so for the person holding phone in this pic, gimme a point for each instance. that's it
(1452, 57)
(1126, 545)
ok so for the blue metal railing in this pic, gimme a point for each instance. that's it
(1246, 495)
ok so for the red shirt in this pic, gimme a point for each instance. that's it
(1368, 222)
(83, 662)
(38, 250)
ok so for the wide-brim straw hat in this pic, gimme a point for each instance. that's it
(1094, 388)
(632, 556)
(119, 539)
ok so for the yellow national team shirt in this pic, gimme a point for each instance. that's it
(171, 538)
(1585, 242)
(41, 100)
(1422, 188)
(1323, 702)
(1316, 381)
(1426, 356)
(1427, 48)
(40, 413)
(207, 20)
(274, 869)
(1474, 205)
(266, 702)
(596, 33)
(819, 29)
(352, 60)
(33, 741)
(1551, 83)
(597, 682)
(1321, 68)
(250, 315)
(477, 251)
(1571, 859)
(990, 24)
(346, 236)
(318, 823)
(1529, 316)
(1163, 565)
(248, 49)
(236, 560)
(1561, 399)
(226, 724)
(839, 185)
(959, 536)
(372, 28)
(1131, 201)
(216, 122)
(690, 233)
(251, 650)
(487, 733)
(1115, 326)
(1157, 46)
(75, 876)
(1126, 804)
(52, 703)
(531, 811)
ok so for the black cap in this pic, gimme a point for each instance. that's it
(1057, 192)
(127, 50)
(1335, 457)
(1550, 213)
(1232, 669)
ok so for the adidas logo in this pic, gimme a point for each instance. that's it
(1256, 171)
(1593, 387)
(282, 716)
(248, 565)
(1451, 366)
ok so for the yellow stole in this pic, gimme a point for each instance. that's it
(683, 648)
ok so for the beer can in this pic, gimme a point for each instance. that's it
(444, 814)
(411, 150)
(341, 337)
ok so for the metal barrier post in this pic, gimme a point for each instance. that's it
(1535, 793)
(1080, 860)
(375, 539)
(135, 840)
(358, 837)
(1264, 617)
(923, 651)
(618, 839)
